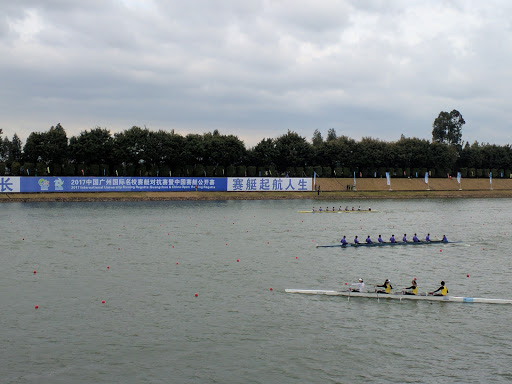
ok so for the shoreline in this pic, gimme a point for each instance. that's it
(330, 189)
(212, 196)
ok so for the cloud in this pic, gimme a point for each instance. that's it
(256, 69)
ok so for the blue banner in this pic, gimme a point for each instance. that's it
(110, 184)
(28, 184)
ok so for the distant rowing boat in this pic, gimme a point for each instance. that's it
(401, 296)
(388, 244)
(355, 211)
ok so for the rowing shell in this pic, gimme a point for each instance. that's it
(387, 244)
(401, 296)
(360, 211)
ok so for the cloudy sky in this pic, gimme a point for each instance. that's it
(255, 68)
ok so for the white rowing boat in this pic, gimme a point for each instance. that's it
(400, 296)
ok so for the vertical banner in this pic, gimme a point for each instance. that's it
(426, 181)
(459, 179)
(354, 178)
(490, 179)
(388, 179)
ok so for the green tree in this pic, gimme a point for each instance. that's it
(130, 146)
(292, 151)
(92, 147)
(317, 139)
(447, 128)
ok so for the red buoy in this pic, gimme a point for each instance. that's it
(37, 306)
(467, 275)
(196, 295)
(35, 272)
(108, 267)
(102, 301)
(271, 289)
(237, 260)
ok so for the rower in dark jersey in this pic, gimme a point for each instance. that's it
(415, 239)
(344, 241)
(404, 239)
(445, 240)
(380, 239)
(368, 240)
(387, 287)
(392, 239)
(413, 288)
(356, 241)
(442, 290)
(428, 237)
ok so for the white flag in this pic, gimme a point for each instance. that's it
(388, 178)
(426, 177)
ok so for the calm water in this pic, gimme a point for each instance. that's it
(153, 329)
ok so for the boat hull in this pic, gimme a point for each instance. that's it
(387, 244)
(400, 296)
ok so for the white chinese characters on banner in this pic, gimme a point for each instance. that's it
(258, 184)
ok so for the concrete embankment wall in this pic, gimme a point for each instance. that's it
(416, 184)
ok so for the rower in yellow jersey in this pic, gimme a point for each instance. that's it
(442, 290)
(387, 287)
(413, 288)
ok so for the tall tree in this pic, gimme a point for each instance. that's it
(317, 139)
(447, 128)
(92, 147)
(331, 134)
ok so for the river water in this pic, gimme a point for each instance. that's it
(148, 260)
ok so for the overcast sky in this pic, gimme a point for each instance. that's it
(257, 68)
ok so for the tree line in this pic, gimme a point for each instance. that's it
(141, 152)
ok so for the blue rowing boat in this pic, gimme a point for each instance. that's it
(401, 243)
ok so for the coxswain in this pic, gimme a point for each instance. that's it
(442, 290)
(357, 287)
(404, 239)
(415, 239)
(368, 240)
(344, 241)
(413, 288)
(428, 237)
(356, 241)
(445, 240)
(380, 239)
(387, 287)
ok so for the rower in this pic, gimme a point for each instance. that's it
(320, 209)
(442, 290)
(327, 209)
(314, 210)
(413, 288)
(368, 240)
(380, 239)
(387, 287)
(340, 209)
(353, 208)
(356, 241)
(346, 208)
(404, 239)
(358, 287)
(333, 209)
(445, 240)
(392, 239)
(369, 209)
(344, 241)
(359, 208)
(428, 237)
(415, 239)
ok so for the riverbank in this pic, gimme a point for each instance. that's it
(330, 189)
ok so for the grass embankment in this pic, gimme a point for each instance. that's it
(330, 189)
